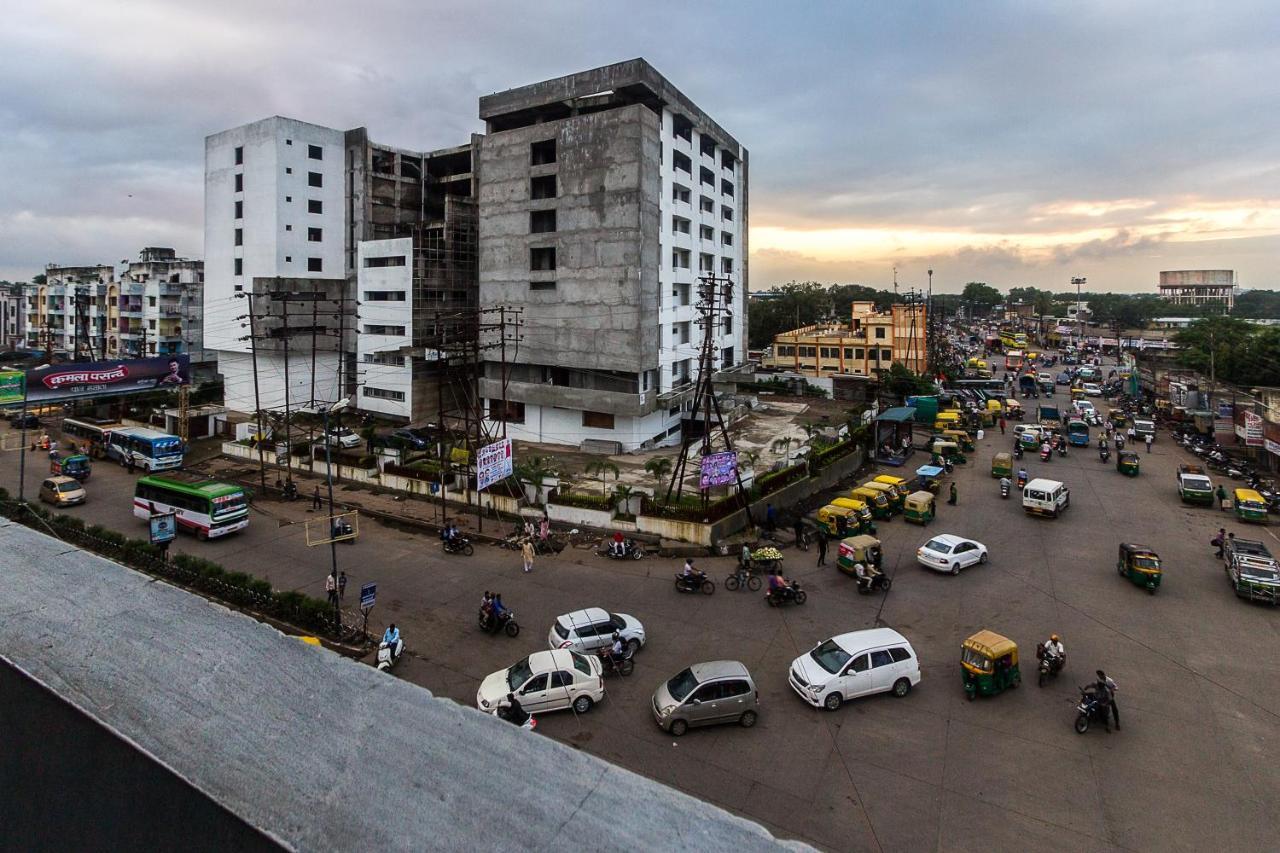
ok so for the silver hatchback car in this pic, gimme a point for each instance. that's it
(706, 694)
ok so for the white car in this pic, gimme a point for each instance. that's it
(1092, 389)
(546, 681)
(592, 629)
(343, 437)
(855, 664)
(948, 553)
(1085, 409)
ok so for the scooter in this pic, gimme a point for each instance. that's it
(387, 656)
(1050, 666)
(1104, 454)
(1017, 450)
(1004, 488)
(458, 545)
(697, 582)
(1062, 448)
(502, 713)
(1022, 479)
(786, 595)
(1046, 454)
(630, 551)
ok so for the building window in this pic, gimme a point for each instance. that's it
(239, 266)
(315, 206)
(728, 325)
(315, 265)
(543, 186)
(288, 142)
(726, 213)
(680, 193)
(388, 261)
(239, 238)
(384, 295)
(382, 393)
(679, 225)
(288, 199)
(726, 238)
(288, 170)
(706, 263)
(542, 285)
(542, 221)
(288, 228)
(512, 412)
(541, 153)
(239, 210)
(315, 179)
(288, 259)
(848, 353)
(314, 235)
(373, 329)
(680, 259)
(682, 163)
(706, 232)
(315, 152)
(597, 420)
(239, 182)
(886, 355)
(707, 176)
(706, 205)
(384, 358)
(542, 258)
(726, 357)
(726, 187)
(726, 266)
(239, 155)
(726, 160)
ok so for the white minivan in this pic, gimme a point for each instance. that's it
(1045, 497)
(879, 660)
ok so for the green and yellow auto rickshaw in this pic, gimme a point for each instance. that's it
(1117, 418)
(1250, 506)
(961, 438)
(859, 549)
(890, 494)
(873, 498)
(948, 450)
(918, 507)
(838, 521)
(77, 466)
(1002, 465)
(989, 664)
(860, 521)
(1127, 463)
(1140, 565)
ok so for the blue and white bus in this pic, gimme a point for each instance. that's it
(149, 448)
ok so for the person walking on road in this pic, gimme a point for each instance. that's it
(822, 547)
(953, 496)
(526, 551)
(342, 585)
(1222, 498)
(1149, 439)
(1219, 541)
(315, 498)
(1003, 424)
(331, 588)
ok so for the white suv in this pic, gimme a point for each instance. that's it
(855, 664)
(591, 629)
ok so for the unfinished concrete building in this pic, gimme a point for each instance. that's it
(604, 195)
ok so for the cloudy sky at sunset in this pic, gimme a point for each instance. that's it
(1008, 142)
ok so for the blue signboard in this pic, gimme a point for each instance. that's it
(368, 592)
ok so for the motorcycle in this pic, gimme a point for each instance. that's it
(785, 595)
(630, 551)
(1017, 450)
(622, 666)
(869, 584)
(1046, 454)
(458, 545)
(1004, 488)
(506, 622)
(504, 712)
(387, 656)
(697, 582)
(1092, 709)
(740, 578)
(1022, 479)
(1062, 448)
(1050, 665)
(1104, 453)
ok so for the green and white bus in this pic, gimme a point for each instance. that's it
(207, 508)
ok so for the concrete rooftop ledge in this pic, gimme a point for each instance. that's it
(301, 743)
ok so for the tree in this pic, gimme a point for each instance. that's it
(794, 305)
(659, 469)
(39, 279)
(534, 471)
(602, 468)
(781, 445)
(624, 493)
(748, 459)
(1216, 345)
(1258, 305)
(904, 383)
(980, 296)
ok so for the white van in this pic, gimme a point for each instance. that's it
(855, 664)
(1045, 497)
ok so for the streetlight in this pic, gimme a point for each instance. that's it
(1079, 282)
(332, 409)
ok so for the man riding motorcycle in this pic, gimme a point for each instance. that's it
(1005, 486)
(392, 638)
(1054, 650)
(617, 545)
(613, 654)
(512, 711)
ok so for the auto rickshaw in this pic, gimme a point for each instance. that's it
(1077, 394)
(859, 549)
(1117, 417)
(875, 499)
(989, 664)
(903, 486)
(1013, 410)
(1140, 565)
(860, 521)
(961, 438)
(918, 507)
(838, 521)
(890, 493)
(928, 476)
(1002, 465)
(946, 420)
(1250, 506)
(948, 450)
(1127, 463)
(77, 466)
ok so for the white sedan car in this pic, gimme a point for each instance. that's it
(948, 553)
(545, 681)
(1092, 390)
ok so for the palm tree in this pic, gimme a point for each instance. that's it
(748, 458)
(602, 468)
(624, 493)
(659, 469)
(534, 471)
(781, 445)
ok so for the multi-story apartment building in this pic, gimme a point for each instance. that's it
(604, 196)
(1215, 288)
(158, 307)
(13, 315)
(68, 314)
(869, 343)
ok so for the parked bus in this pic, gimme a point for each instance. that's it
(207, 508)
(149, 448)
(93, 431)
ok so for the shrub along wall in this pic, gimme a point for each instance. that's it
(235, 588)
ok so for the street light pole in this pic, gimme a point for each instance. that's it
(1078, 282)
(328, 476)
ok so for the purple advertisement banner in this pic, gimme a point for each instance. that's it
(718, 469)
(83, 379)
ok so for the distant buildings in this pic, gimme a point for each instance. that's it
(1215, 288)
(13, 316)
(870, 343)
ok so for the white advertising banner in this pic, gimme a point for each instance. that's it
(493, 463)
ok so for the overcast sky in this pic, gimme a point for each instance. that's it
(1008, 142)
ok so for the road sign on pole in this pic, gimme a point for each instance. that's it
(368, 593)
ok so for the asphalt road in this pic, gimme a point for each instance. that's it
(1194, 768)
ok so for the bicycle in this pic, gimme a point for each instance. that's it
(741, 577)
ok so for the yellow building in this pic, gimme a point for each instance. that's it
(871, 342)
